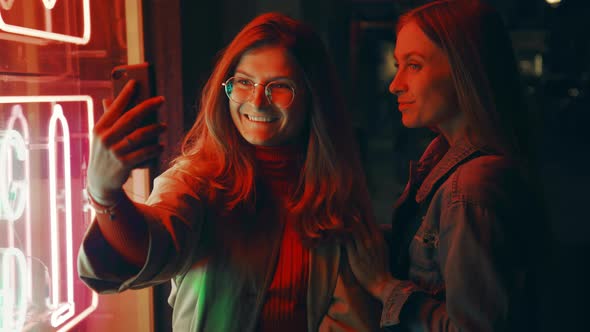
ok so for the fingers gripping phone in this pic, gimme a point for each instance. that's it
(144, 88)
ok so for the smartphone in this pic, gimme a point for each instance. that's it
(141, 73)
(144, 88)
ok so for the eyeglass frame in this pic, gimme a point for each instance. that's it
(266, 92)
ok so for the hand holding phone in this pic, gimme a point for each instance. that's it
(142, 75)
(126, 135)
(144, 89)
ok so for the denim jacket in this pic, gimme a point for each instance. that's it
(220, 270)
(457, 237)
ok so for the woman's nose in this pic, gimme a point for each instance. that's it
(259, 98)
(396, 86)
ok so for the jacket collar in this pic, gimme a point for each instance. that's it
(441, 159)
(324, 263)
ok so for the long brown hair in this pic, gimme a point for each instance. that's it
(483, 67)
(332, 190)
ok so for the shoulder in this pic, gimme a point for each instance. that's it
(485, 179)
(174, 175)
(180, 179)
(486, 169)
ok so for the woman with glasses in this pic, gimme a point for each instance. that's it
(465, 227)
(248, 221)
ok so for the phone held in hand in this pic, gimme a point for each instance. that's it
(143, 75)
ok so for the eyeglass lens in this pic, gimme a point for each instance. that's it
(241, 90)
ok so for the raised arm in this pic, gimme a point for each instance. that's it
(119, 144)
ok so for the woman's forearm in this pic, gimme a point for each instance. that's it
(124, 227)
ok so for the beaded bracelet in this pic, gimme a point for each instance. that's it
(101, 209)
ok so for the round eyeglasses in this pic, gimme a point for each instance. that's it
(241, 90)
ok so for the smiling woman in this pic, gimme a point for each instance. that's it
(423, 83)
(248, 221)
(273, 114)
(456, 260)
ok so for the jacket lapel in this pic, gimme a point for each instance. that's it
(323, 273)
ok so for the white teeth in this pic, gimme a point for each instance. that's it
(259, 118)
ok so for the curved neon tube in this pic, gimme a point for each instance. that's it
(49, 4)
(12, 312)
(64, 316)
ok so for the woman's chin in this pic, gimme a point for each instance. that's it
(410, 123)
(259, 141)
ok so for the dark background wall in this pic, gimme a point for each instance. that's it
(183, 38)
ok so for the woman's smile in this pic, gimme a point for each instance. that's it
(261, 118)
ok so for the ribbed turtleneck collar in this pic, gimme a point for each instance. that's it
(278, 153)
(279, 166)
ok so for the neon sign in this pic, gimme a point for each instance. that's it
(13, 294)
(48, 5)
(15, 195)
(16, 145)
(12, 199)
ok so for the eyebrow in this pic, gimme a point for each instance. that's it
(409, 54)
(274, 78)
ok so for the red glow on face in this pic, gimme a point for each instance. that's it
(259, 122)
(423, 83)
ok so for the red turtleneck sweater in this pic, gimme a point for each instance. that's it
(285, 306)
(284, 309)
